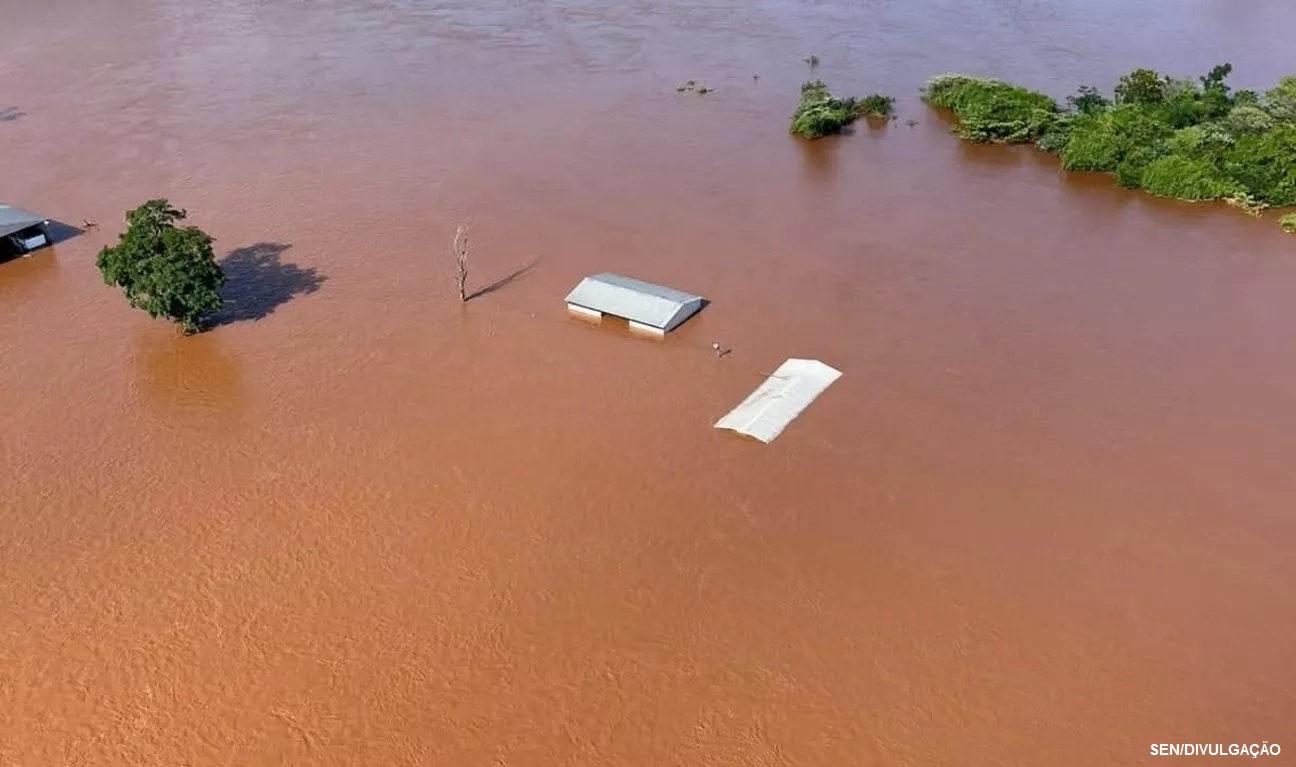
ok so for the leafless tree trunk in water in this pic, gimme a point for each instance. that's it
(460, 247)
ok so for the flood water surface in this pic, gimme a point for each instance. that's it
(1045, 517)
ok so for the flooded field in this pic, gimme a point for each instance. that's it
(1046, 517)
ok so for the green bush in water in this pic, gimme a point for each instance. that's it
(1188, 178)
(1248, 119)
(1280, 101)
(1088, 99)
(1056, 134)
(1288, 223)
(820, 114)
(1129, 173)
(877, 105)
(1191, 139)
(1092, 144)
(1143, 87)
(992, 110)
(1207, 141)
(1266, 165)
(1100, 141)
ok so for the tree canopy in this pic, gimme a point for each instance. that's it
(992, 110)
(1191, 139)
(166, 270)
(819, 113)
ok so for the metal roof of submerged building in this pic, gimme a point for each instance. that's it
(15, 219)
(654, 306)
(780, 399)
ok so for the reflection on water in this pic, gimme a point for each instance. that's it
(189, 381)
(360, 522)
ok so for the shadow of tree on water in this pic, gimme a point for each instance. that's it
(258, 282)
(504, 281)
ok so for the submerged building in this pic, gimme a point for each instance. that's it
(785, 393)
(647, 307)
(22, 231)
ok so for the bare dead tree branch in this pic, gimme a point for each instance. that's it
(460, 249)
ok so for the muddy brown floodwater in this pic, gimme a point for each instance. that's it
(1046, 517)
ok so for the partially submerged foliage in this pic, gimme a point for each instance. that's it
(877, 105)
(1288, 223)
(166, 270)
(1188, 139)
(820, 113)
(992, 110)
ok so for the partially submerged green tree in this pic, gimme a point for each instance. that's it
(166, 270)
(1288, 223)
(1191, 139)
(819, 113)
(992, 110)
(877, 105)
(1142, 87)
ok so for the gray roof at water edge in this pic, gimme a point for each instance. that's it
(14, 220)
(643, 302)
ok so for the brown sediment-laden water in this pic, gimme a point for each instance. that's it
(1046, 517)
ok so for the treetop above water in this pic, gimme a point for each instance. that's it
(819, 113)
(1182, 138)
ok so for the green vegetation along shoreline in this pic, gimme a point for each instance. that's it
(1180, 138)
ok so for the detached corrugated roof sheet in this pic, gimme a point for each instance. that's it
(15, 220)
(780, 399)
(654, 306)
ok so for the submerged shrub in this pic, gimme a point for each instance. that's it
(1101, 141)
(1056, 134)
(1248, 119)
(1187, 178)
(1266, 165)
(1247, 98)
(877, 105)
(1201, 141)
(1129, 173)
(992, 110)
(1280, 101)
(941, 89)
(820, 113)
(1288, 223)
(1191, 139)
(1088, 99)
(1142, 87)
(1092, 144)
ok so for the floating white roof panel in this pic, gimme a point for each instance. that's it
(652, 306)
(781, 398)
